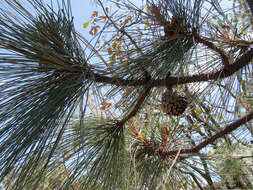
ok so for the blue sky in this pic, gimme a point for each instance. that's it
(82, 10)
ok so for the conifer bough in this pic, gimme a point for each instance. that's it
(47, 76)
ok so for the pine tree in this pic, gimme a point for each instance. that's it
(144, 105)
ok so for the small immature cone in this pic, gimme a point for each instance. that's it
(164, 136)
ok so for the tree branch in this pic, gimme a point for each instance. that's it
(228, 129)
(210, 45)
(137, 106)
(120, 123)
(226, 71)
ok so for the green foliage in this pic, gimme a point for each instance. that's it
(234, 166)
(103, 159)
(40, 89)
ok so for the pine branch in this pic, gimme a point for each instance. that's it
(43, 83)
(212, 46)
(227, 130)
(137, 105)
(226, 71)
(99, 155)
(48, 73)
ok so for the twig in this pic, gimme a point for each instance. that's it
(87, 43)
(225, 60)
(243, 157)
(126, 34)
(171, 166)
